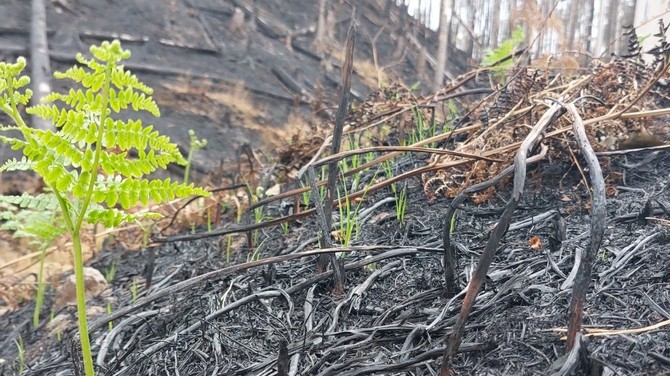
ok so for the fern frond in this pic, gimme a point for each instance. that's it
(41, 225)
(119, 100)
(24, 98)
(15, 69)
(80, 186)
(79, 128)
(119, 163)
(161, 159)
(14, 143)
(109, 217)
(5, 128)
(6, 215)
(17, 165)
(77, 99)
(132, 134)
(11, 86)
(76, 127)
(44, 111)
(43, 230)
(164, 145)
(43, 201)
(92, 80)
(74, 73)
(146, 163)
(505, 49)
(110, 52)
(123, 78)
(49, 149)
(10, 78)
(20, 82)
(112, 217)
(128, 191)
(68, 159)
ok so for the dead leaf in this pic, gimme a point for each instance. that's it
(535, 243)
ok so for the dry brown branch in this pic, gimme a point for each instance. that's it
(597, 332)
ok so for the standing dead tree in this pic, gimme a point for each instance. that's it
(39, 56)
(443, 41)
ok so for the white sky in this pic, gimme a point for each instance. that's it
(646, 9)
(647, 14)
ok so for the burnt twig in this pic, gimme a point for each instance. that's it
(283, 363)
(325, 242)
(496, 235)
(342, 109)
(568, 364)
(597, 227)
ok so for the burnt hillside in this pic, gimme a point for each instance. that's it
(238, 73)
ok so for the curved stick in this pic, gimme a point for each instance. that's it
(496, 235)
(597, 227)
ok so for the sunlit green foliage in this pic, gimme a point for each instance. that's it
(85, 161)
(505, 49)
(69, 160)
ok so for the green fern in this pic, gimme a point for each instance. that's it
(16, 165)
(66, 158)
(41, 202)
(41, 225)
(503, 51)
(84, 162)
(38, 225)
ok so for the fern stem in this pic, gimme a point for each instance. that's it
(39, 297)
(80, 286)
(81, 305)
(187, 169)
(14, 113)
(76, 239)
(98, 146)
(65, 208)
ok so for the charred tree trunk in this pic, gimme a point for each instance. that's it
(511, 7)
(590, 11)
(610, 22)
(471, 25)
(573, 24)
(40, 67)
(628, 19)
(320, 27)
(421, 63)
(443, 38)
(495, 23)
(629, 8)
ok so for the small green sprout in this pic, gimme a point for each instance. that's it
(195, 145)
(22, 352)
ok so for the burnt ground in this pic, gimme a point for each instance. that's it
(393, 317)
